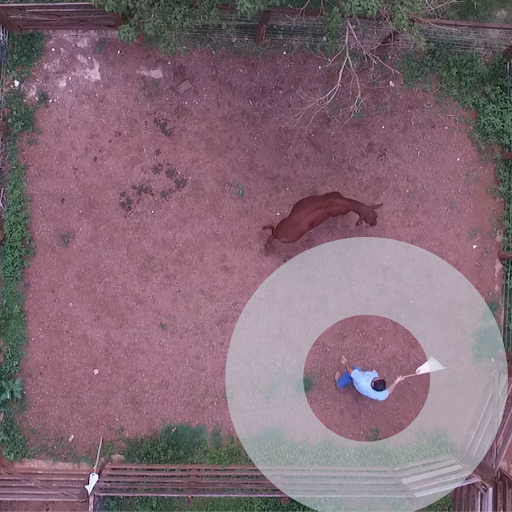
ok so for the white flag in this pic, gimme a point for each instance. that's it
(431, 365)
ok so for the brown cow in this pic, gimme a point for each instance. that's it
(311, 211)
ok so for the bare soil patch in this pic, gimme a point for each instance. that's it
(147, 212)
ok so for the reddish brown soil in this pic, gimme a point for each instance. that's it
(147, 209)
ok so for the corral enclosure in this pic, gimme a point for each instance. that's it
(147, 209)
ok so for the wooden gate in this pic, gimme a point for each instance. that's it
(480, 498)
(62, 16)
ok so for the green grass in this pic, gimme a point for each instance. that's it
(203, 504)
(308, 384)
(482, 10)
(443, 505)
(58, 449)
(66, 238)
(24, 50)
(100, 45)
(184, 444)
(277, 450)
(494, 307)
(374, 434)
(43, 98)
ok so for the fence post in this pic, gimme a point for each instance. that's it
(6, 21)
(486, 472)
(262, 27)
(386, 42)
(118, 19)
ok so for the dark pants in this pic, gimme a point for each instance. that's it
(346, 379)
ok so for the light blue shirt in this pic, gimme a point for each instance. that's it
(363, 384)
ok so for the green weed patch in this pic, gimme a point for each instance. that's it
(24, 50)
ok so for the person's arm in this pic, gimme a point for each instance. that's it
(393, 386)
(347, 366)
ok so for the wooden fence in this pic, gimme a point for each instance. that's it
(33, 484)
(409, 481)
(25, 17)
(478, 498)
(60, 16)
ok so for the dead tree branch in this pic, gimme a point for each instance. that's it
(348, 71)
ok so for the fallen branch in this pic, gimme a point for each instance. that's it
(355, 88)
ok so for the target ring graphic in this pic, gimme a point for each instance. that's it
(309, 294)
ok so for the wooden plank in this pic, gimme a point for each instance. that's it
(258, 469)
(53, 7)
(439, 481)
(155, 473)
(430, 475)
(505, 443)
(184, 467)
(281, 495)
(309, 470)
(488, 499)
(443, 458)
(471, 500)
(507, 414)
(18, 475)
(506, 495)
(200, 490)
(254, 477)
(314, 13)
(42, 9)
(465, 500)
(63, 16)
(22, 470)
(246, 486)
(66, 19)
(166, 494)
(62, 26)
(308, 476)
(8, 23)
(118, 19)
(189, 485)
(428, 468)
(44, 482)
(37, 27)
(262, 27)
(184, 86)
(72, 493)
(184, 482)
(462, 24)
(38, 497)
(457, 502)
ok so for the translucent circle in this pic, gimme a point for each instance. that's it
(342, 279)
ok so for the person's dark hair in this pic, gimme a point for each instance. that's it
(379, 385)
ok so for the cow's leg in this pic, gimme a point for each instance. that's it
(270, 239)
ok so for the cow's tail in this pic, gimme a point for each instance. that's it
(270, 238)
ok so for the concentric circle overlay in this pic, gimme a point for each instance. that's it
(306, 296)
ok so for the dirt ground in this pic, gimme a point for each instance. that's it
(147, 209)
